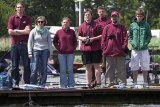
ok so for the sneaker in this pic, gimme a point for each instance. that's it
(145, 84)
(63, 87)
(111, 85)
(98, 85)
(134, 85)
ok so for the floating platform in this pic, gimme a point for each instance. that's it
(59, 96)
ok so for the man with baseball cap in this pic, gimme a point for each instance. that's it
(114, 42)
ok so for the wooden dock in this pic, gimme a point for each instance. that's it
(57, 96)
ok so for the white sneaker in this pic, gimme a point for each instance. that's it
(145, 84)
(134, 85)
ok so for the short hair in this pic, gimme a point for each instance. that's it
(66, 18)
(140, 11)
(41, 17)
(21, 3)
(88, 10)
(100, 7)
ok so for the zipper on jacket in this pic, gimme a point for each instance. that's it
(138, 36)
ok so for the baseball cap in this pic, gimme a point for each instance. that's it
(115, 13)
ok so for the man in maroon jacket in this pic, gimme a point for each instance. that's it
(89, 33)
(114, 42)
(102, 20)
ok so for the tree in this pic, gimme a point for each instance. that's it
(55, 10)
(5, 12)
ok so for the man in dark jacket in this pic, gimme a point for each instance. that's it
(114, 42)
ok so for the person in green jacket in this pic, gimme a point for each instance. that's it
(139, 38)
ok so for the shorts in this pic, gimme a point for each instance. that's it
(92, 57)
(140, 59)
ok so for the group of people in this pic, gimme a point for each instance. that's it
(103, 41)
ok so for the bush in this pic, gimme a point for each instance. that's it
(5, 12)
(4, 44)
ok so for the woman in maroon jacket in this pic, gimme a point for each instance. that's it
(65, 42)
(114, 43)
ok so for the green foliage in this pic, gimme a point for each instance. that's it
(5, 12)
(154, 43)
(4, 44)
(78, 59)
(55, 10)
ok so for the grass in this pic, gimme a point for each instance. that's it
(4, 43)
(155, 43)
(78, 59)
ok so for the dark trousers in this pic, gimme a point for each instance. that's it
(20, 51)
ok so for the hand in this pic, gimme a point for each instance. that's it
(84, 39)
(51, 57)
(103, 69)
(30, 56)
(91, 39)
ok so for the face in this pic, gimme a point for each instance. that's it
(19, 8)
(65, 24)
(114, 19)
(139, 17)
(87, 17)
(40, 22)
(101, 13)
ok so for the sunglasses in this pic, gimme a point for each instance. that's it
(40, 21)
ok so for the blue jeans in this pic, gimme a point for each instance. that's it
(20, 51)
(39, 66)
(66, 70)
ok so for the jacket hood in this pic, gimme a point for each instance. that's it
(135, 20)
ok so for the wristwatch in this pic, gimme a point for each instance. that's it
(15, 30)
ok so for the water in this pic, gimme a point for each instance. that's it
(93, 105)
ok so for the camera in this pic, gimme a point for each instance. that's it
(111, 36)
(87, 42)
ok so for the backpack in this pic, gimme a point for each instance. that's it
(5, 81)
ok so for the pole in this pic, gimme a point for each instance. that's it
(80, 12)
(80, 20)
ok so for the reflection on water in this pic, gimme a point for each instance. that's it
(94, 105)
(100, 105)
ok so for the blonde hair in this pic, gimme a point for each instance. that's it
(66, 18)
(140, 11)
(100, 8)
(21, 3)
(41, 17)
(88, 10)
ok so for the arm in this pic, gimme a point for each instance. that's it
(30, 43)
(50, 44)
(75, 41)
(80, 35)
(125, 38)
(96, 38)
(130, 35)
(104, 38)
(97, 32)
(56, 41)
(149, 35)
(15, 32)
(19, 32)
